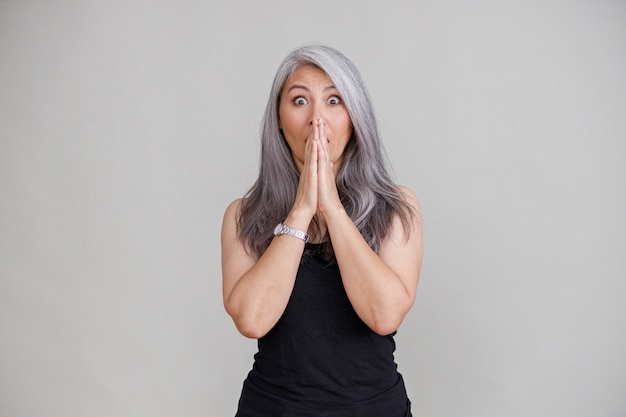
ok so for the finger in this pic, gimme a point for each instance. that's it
(307, 193)
(310, 155)
(311, 132)
(310, 161)
(315, 144)
(324, 152)
(316, 129)
(323, 131)
(308, 143)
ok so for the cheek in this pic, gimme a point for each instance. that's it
(345, 121)
(290, 123)
(348, 130)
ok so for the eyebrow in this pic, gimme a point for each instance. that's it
(304, 87)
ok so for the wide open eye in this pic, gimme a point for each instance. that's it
(300, 101)
(334, 100)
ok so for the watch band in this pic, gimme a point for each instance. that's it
(283, 229)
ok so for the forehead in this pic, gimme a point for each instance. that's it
(308, 75)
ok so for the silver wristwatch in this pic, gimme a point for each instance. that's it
(283, 229)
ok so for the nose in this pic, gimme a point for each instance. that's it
(317, 112)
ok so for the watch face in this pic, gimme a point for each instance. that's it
(278, 229)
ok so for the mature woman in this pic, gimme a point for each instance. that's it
(322, 257)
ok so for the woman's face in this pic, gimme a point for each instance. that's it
(308, 95)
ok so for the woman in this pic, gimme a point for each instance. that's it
(321, 258)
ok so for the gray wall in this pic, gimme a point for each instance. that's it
(127, 127)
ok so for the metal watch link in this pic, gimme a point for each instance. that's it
(283, 229)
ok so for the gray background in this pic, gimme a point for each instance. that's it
(127, 127)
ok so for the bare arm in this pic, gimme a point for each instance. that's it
(381, 287)
(256, 291)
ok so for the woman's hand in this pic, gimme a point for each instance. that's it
(327, 196)
(317, 189)
(307, 194)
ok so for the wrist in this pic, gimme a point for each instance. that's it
(333, 212)
(298, 219)
(283, 229)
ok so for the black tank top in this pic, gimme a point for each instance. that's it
(320, 359)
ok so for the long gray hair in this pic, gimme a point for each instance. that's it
(367, 192)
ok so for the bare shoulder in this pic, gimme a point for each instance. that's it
(406, 192)
(234, 253)
(411, 199)
(405, 229)
(229, 223)
(402, 249)
(235, 259)
(234, 208)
